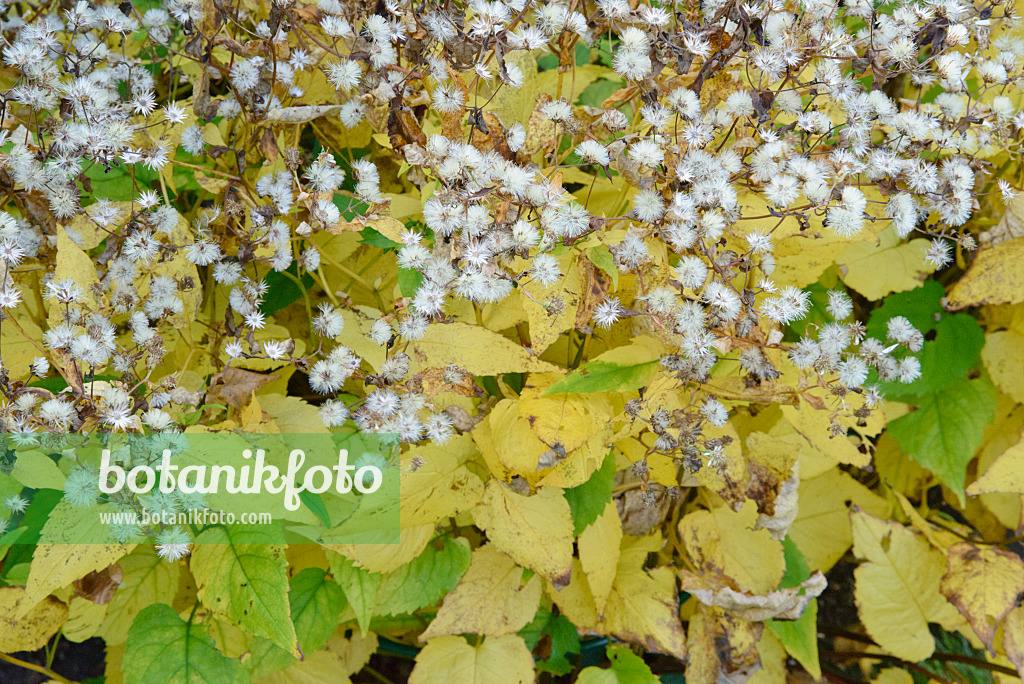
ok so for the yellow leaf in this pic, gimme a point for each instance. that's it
(358, 322)
(73, 263)
(890, 265)
(801, 256)
(477, 350)
(599, 553)
(545, 327)
(252, 417)
(643, 606)
(515, 104)
(1013, 638)
(490, 599)
(700, 641)
(575, 600)
(58, 560)
(1001, 435)
(1003, 356)
(114, 673)
(505, 660)
(995, 277)
(31, 630)
(443, 486)
(146, 579)
(389, 227)
(893, 675)
(536, 531)
(822, 527)
(983, 582)
(772, 655)
(84, 619)
(292, 415)
(387, 557)
(813, 424)
(897, 587)
(335, 663)
(723, 540)
(36, 470)
(1005, 475)
(403, 206)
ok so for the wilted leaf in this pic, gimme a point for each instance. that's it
(298, 115)
(784, 604)
(34, 628)
(983, 583)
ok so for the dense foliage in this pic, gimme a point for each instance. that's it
(697, 324)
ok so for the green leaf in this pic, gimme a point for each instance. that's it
(598, 91)
(946, 429)
(549, 61)
(164, 649)
(602, 257)
(360, 587)
(424, 580)
(409, 280)
(953, 341)
(43, 503)
(627, 668)
(621, 369)
(116, 184)
(588, 500)
(316, 603)
(817, 311)
(282, 290)
(565, 641)
(241, 573)
(375, 238)
(314, 503)
(919, 306)
(799, 637)
(604, 376)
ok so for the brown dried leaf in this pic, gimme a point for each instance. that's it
(299, 114)
(784, 604)
(983, 582)
(235, 386)
(100, 586)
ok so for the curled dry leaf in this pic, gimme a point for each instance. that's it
(298, 115)
(784, 604)
(235, 386)
(101, 585)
